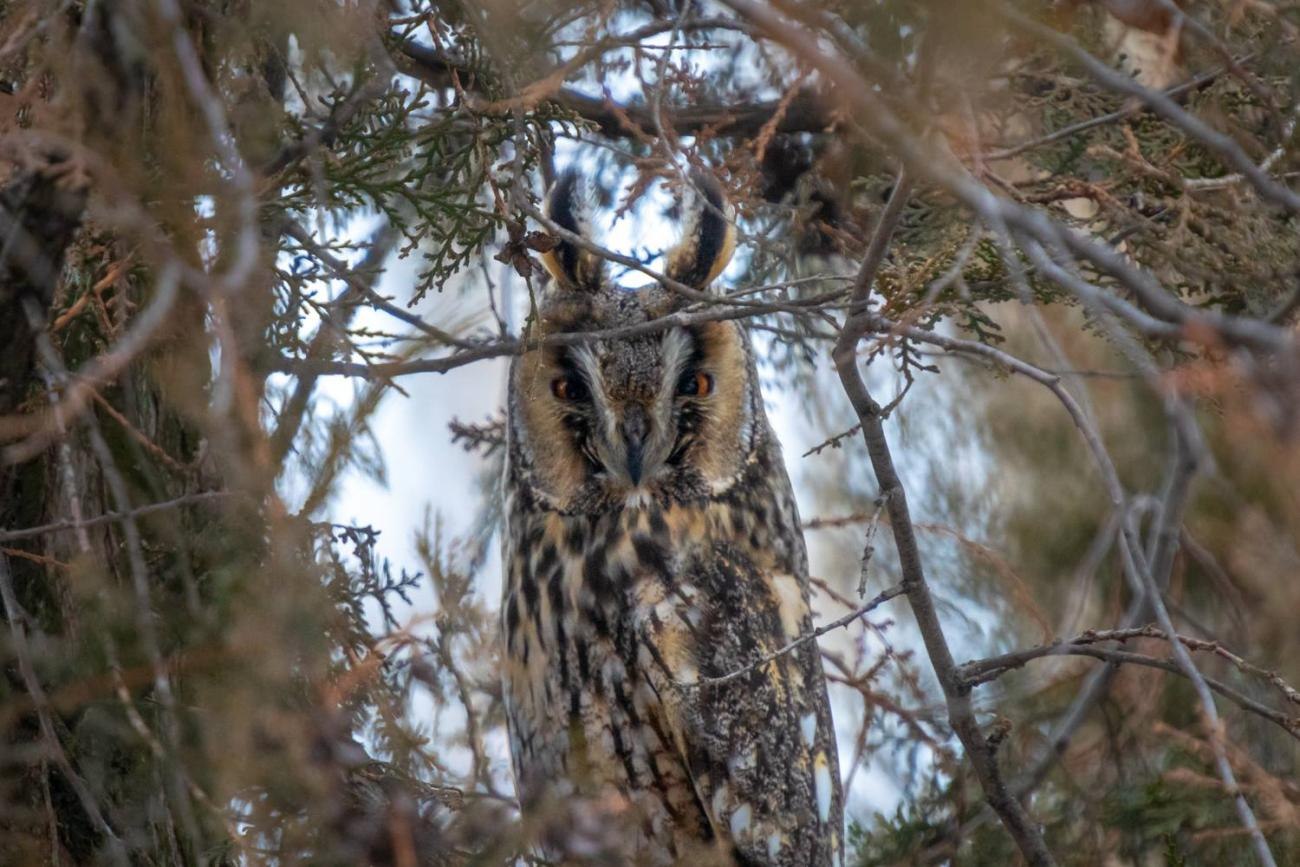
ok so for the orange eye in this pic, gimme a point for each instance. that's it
(697, 384)
(568, 388)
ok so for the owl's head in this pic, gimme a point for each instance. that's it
(670, 414)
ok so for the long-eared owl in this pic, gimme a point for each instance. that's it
(652, 546)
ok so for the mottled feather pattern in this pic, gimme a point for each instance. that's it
(626, 593)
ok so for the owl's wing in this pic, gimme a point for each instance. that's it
(759, 747)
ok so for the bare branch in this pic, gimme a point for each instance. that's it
(613, 120)
(981, 671)
(112, 517)
(878, 600)
(961, 713)
(1194, 83)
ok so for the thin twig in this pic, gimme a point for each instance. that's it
(981, 671)
(876, 601)
(1194, 83)
(111, 517)
(362, 286)
(715, 309)
(1162, 105)
(40, 428)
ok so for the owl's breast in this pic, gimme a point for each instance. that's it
(574, 582)
(581, 593)
(583, 720)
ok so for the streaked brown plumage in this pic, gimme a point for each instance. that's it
(652, 540)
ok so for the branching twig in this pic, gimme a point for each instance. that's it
(1163, 106)
(1178, 90)
(40, 429)
(715, 309)
(981, 671)
(961, 713)
(112, 517)
(880, 599)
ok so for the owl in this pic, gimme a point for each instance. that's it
(651, 546)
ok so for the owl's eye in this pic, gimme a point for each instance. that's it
(569, 388)
(697, 384)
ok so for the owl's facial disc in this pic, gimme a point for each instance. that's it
(625, 421)
(639, 421)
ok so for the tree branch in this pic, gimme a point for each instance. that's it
(961, 714)
(1162, 105)
(981, 671)
(613, 120)
(1197, 82)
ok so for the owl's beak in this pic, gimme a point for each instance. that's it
(635, 428)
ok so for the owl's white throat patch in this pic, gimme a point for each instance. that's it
(637, 498)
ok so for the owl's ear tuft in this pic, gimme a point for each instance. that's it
(708, 236)
(574, 269)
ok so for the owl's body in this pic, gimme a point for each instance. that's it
(653, 544)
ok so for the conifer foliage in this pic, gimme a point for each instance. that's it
(1030, 272)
